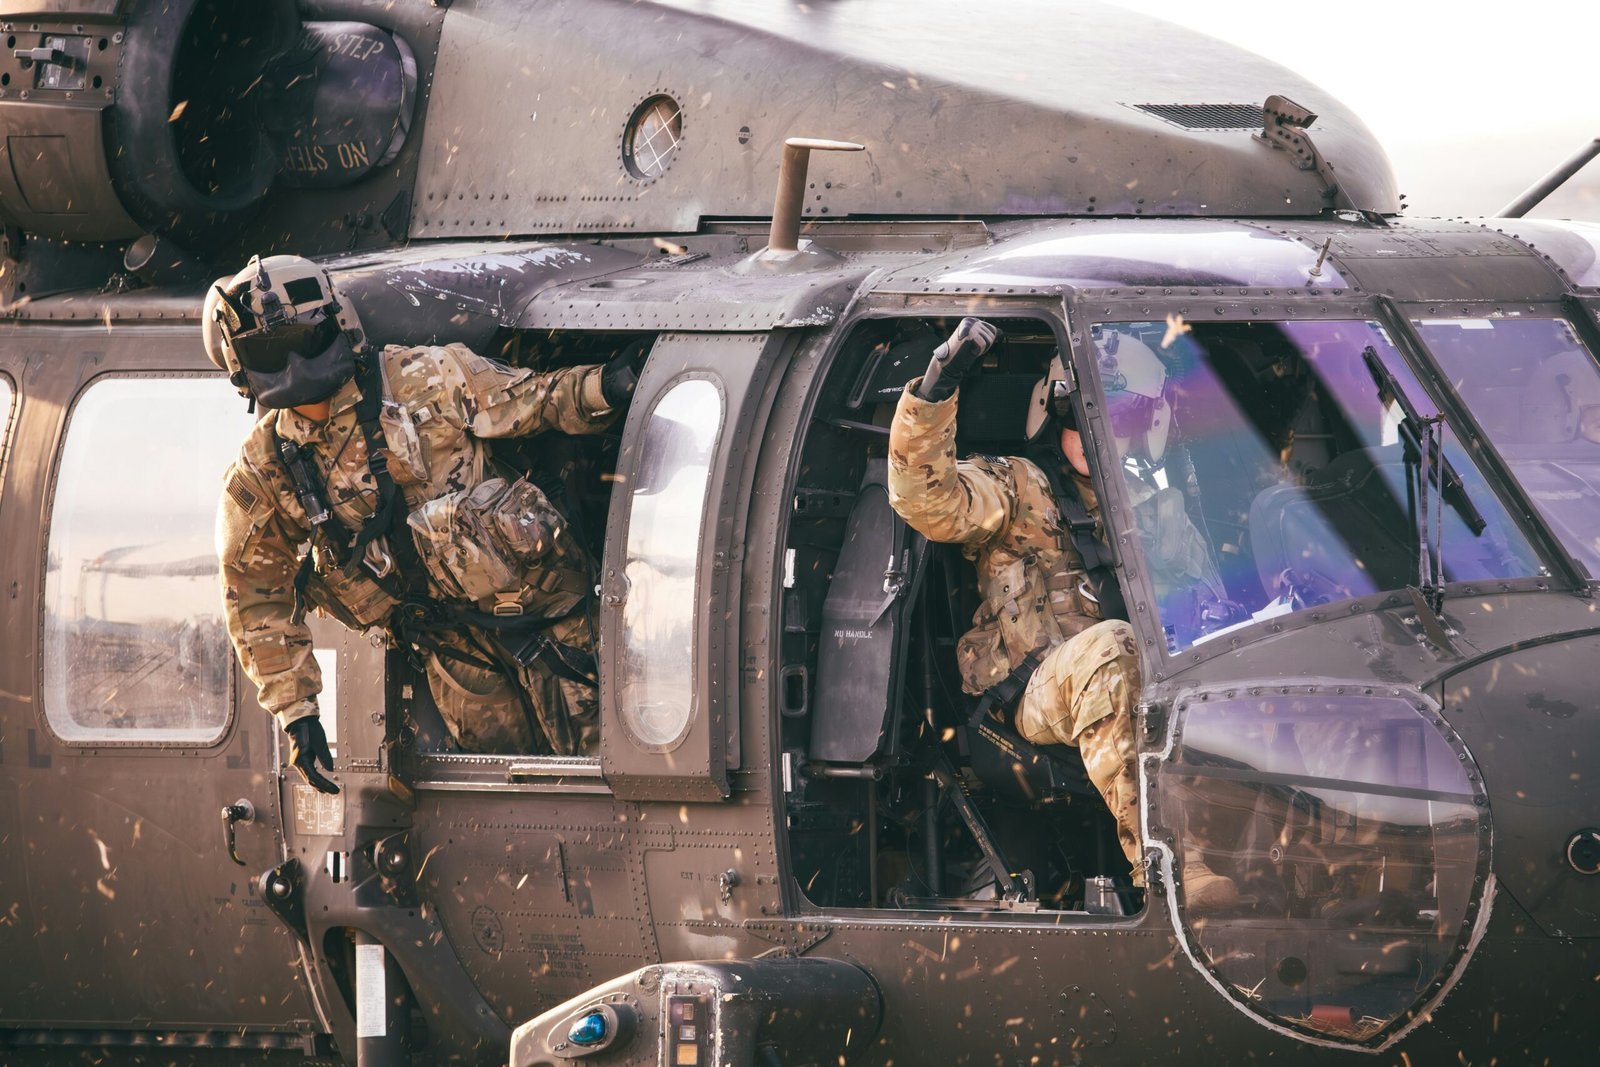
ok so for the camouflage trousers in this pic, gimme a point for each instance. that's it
(1083, 694)
(486, 714)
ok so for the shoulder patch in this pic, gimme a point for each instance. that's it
(241, 493)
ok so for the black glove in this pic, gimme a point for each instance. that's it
(621, 374)
(307, 746)
(955, 357)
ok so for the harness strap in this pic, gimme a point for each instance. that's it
(389, 515)
(1097, 561)
(1007, 689)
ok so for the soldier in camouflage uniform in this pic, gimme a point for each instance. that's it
(498, 559)
(1037, 596)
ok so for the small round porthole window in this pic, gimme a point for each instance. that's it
(653, 134)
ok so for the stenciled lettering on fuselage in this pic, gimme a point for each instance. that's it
(313, 158)
(355, 45)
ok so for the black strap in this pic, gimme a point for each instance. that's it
(388, 516)
(1007, 689)
(1097, 561)
(313, 501)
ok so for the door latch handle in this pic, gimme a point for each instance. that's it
(45, 55)
(239, 811)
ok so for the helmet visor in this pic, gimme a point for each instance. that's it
(268, 351)
(1130, 413)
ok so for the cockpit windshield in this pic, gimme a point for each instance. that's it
(1272, 470)
(1535, 390)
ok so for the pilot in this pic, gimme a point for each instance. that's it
(1028, 526)
(378, 462)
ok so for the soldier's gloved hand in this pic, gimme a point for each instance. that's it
(955, 357)
(308, 746)
(621, 374)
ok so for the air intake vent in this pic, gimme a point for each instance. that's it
(1207, 116)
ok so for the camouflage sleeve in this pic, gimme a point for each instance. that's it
(257, 550)
(963, 502)
(502, 401)
(1179, 555)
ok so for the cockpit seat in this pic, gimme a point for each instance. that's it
(1345, 533)
(858, 693)
(1020, 771)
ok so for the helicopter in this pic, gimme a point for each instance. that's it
(797, 844)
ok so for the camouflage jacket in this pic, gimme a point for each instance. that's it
(1035, 592)
(480, 538)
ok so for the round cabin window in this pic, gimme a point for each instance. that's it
(653, 134)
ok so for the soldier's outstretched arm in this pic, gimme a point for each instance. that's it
(502, 401)
(963, 502)
(257, 550)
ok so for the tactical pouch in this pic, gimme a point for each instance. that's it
(354, 599)
(1072, 602)
(980, 653)
(477, 542)
(407, 460)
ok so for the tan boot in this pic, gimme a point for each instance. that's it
(1205, 889)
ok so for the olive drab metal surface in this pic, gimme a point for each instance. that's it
(1345, 470)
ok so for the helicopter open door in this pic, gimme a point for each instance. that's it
(669, 661)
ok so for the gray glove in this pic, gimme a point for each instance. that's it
(953, 359)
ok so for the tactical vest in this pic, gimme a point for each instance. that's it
(495, 542)
(1035, 594)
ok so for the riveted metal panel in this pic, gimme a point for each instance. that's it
(527, 128)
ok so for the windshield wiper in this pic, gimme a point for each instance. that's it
(1413, 431)
(1424, 454)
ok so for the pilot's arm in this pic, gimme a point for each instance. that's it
(257, 550)
(964, 502)
(1177, 552)
(502, 401)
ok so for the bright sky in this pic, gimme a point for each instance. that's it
(1474, 102)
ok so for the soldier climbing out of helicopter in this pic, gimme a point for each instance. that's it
(1049, 623)
(378, 461)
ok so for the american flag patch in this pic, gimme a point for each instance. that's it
(241, 493)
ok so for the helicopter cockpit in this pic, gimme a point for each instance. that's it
(1317, 469)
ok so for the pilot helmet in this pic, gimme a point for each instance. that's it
(1051, 402)
(280, 331)
(1135, 381)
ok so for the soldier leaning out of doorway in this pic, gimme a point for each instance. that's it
(1031, 526)
(377, 460)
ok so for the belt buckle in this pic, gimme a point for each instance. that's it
(507, 605)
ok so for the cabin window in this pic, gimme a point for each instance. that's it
(667, 507)
(1535, 390)
(135, 649)
(1292, 467)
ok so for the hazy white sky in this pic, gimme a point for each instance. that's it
(1474, 102)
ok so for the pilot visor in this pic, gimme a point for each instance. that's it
(1130, 413)
(268, 351)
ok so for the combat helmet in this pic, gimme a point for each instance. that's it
(280, 331)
